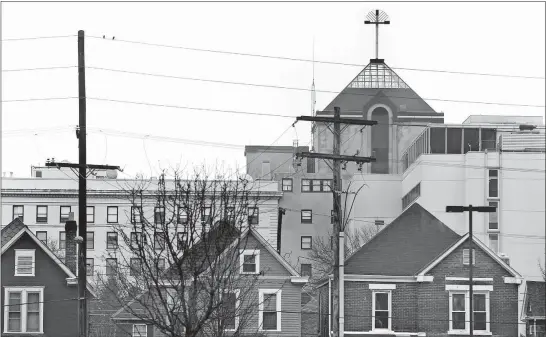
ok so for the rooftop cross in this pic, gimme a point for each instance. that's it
(377, 18)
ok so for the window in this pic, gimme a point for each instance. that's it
(306, 216)
(459, 304)
(381, 310)
(90, 240)
(159, 241)
(182, 216)
(136, 238)
(111, 240)
(230, 213)
(306, 269)
(159, 215)
(42, 236)
(471, 140)
(489, 139)
(160, 264)
(229, 312)
(18, 212)
(270, 309)
(25, 310)
(411, 196)
(494, 242)
(90, 263)
(62, 240)
(379, 223)
(310, 165)
(112, 216)
(266, 170)
(41, 214)
(454, 140)
(90, 214)
(306, 185)
(306, 242)
(140, 330)
(250, 262)
(316, 185)
(205, 214)
(38, 174)
(136, 214)
(182, 238)
(493, 183)
(24, 262)
(466, 257)
(111, 266)
(253, 215)
(287, 184)
(65, 213)
(494, 217)
(136, 267)
(437, 140)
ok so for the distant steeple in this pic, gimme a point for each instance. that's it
(313, 101)
(377, 18)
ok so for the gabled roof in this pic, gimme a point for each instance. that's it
(479, 244)
(378, 76)
(404, 247)
(535, 299)
(16, 229)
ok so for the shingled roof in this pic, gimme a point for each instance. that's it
(11, 230)
(535, 299)
(404, 247)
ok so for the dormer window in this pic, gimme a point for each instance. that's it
(24, 262)
(250, 262)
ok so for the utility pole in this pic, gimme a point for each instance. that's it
(338, 323)
(470, 209)
(81, 133)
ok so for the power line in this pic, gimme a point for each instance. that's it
(37, 38)
(44, 68)
(311, 61)
(305, 89)
(38, 99)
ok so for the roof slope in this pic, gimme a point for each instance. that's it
(403, 247)
(12, 229)
(535, 299)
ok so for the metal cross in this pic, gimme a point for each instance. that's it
(377, 18)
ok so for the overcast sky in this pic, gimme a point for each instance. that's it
(499, 38)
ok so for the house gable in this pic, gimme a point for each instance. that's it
(404, 246)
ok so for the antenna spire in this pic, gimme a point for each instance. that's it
(313, 100)
(377, 17)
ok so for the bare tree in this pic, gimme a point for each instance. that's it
(53, 245)
(542, 270)
(179, 261)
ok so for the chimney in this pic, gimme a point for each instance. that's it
(71, 257)
(505, 258)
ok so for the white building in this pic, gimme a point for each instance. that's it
(46, 199)
(487, 160)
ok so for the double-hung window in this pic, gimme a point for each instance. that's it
(306, 216)
(140, 330)
(253, 215)
(136, 214)
(382, 306)
(494, 217)
(111, 266)
(90, 263)
(112, 215)
(41, 214)
(24, 311)
(112, 240)
(137, 238)
(62, 240)
(65, 213)
(287, 184)
(25, 261)
(159, 215)
(250, 261)
(493, 183)
(182, 216)
(270, 309)
(230, 304)
(306, 242)
(466, 257)
(90, 240)
(459, 309)
(90, 214)
(42, 236)
(206, 215)
(159, 241)
(18, 212)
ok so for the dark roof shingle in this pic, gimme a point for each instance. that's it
(535, 299)
(11, 230)
(403, 247)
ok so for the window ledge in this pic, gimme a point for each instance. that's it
(467, 332)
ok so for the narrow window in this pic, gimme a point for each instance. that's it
(25, 262)
(381, 310)
(480, 312)
(14, 311)
(306, 216)
(306, 242)
(62, 240)
(494, 242)
(229, 313)
(287, 184)
(182, 216)
(182, 240)
(494, 217)
(206, 214)
(111, 266)
(253, 215)
(493, 183)
(471, 140)
(316, 185)
(270, 310)
(159, 215)
(111, 240)
(112, 216)
(18, 212)
(90, 263)
(42, 236)
(41, 214)
(306, 269)
(489, 139)
(65, 213)
(458, 312)
(136, 214)
(306, 185)
(466, 257)
(454, 140)
(90, 240)
(159, 241)
(136, 267)
(90, 214)
(437, 140)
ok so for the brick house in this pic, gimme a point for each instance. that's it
(38, 290)
(411, 279)
(534, 309)
(279, 285)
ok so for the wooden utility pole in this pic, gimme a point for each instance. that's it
(338, 323)
(470, 209)
(81, 133)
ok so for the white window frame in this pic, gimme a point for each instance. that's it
(116, 214)
(389, 294)
(468, 312)
(284, 186)
(25, 252)
(261, 294)
(133, 334)
(24, 299)
(490, 242)
(237, 303)
(489, 178)
(465, 252)
(243, 253)
(496, 201)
